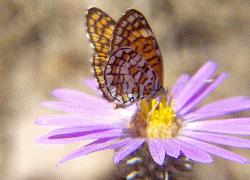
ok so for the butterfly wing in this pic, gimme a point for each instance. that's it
(133, 30)
(129, 77)
(100, 31)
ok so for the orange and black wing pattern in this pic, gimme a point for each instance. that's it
(133, 30)
(129, 77)
(100, 27)
(127, 61)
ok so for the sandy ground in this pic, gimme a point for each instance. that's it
(43, 46)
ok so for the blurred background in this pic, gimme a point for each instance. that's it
(43, 46)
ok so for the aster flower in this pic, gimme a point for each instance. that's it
(178, 127)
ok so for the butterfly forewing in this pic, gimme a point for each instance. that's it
(133, 30)
(100, 31)
(129, 77)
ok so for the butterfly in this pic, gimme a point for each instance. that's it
(127, 61)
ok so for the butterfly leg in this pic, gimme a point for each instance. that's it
(118, 105)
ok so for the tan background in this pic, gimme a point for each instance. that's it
(43, 46)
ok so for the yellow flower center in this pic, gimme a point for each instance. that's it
(156, 119)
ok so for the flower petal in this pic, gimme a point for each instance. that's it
(220, 108)
(93, 147)
(91, 83)
(228, 126)
(215, 150)
(69, 135)
(133, 145)
(218, 138)
(74, 96)
(223, 102)
(172, 149)
(79, 108)
(79, 120)
(205, 93)
(157, 150)
(180, 84)
(195, 84)
(193, 152)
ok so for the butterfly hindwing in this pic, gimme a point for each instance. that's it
(100, 28)
(129, 77)
(133, 30)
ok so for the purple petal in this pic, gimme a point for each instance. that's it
(193, 152)
(220, 108)
(69, 135)
(215, 150)
(69, 130)
(218, 138)
(100, 133)
(195, 84)
(74, 96)
(93, 147)
(131, 109)
(228, 126)
(172, 149)
(98, 141)
(157, 150)
(91, 83)
(224, 102)
(133, 145)
(78, 120)
(205, 93)
(180, 84)
(78, 108)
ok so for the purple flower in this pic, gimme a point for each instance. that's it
(176, 126)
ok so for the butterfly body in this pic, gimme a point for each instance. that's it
(127, 61)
